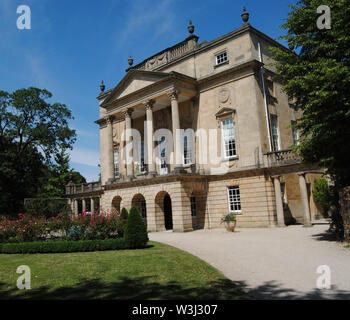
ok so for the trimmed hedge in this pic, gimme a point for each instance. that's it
(124, 217)
(63, 246)
(135, 232)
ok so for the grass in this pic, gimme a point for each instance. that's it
(158, 272)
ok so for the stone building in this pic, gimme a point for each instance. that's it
(218, 100)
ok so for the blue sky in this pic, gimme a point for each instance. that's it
(74, 44)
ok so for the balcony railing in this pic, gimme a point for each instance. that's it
(168, 55)
(83, 188)
(282, 158)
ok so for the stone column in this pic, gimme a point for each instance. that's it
(83, 204)
(109, 151)
(149, 134)
(305, 200)
(278, 199)
(76, 207)
(173, 96)
(71, 203)
(92, 205)
(128, 148)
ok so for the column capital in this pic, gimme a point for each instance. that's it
(148, 104)
(128, 112)
(173, 94)
(109, 119)
(276, 177)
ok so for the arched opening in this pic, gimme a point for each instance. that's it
(168, 216)
(163, 211)
(140, 203)
(116, 204)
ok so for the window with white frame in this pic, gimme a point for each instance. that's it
(221, 57)
(295, 134)
(234, 199)
(188, 148)
(228, 137)
(193, 206)
(116, 163)
(275, 133)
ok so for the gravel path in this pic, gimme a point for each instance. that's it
(274, 263)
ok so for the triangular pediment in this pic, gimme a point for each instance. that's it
(133, 81)
(224, 111)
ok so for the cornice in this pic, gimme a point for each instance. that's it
(174, 79)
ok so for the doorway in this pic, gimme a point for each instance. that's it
(168, 216)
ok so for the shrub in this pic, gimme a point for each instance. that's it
(47, 207)
(124, 214)
(135, 233)
(63, 246)
(83, 227)
(123, 217)
(25, 228)
(321, 194)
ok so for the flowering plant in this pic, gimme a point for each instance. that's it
(25, 228)
(100, 225)
(228, 218)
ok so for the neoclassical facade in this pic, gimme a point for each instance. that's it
(200, 130)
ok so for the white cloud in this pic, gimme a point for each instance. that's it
(87, 157)
(157, 15)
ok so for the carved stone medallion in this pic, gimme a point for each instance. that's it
(224, 95)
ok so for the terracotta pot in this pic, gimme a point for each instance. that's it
(230, 226)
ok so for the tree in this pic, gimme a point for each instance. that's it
(135, 233)
(60, 175)
(20, 177)
(32, 133)
(316, 77)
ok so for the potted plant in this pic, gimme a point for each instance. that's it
(230, 222)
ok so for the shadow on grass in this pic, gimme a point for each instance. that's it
(129, 289)
(143, 289)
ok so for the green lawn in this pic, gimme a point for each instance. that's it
(158, 272)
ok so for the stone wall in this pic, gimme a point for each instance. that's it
(257, 201)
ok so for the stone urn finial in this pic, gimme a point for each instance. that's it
(190, 27)
(102, 86)
(245, 15)
(70, 182)
(130, 60)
